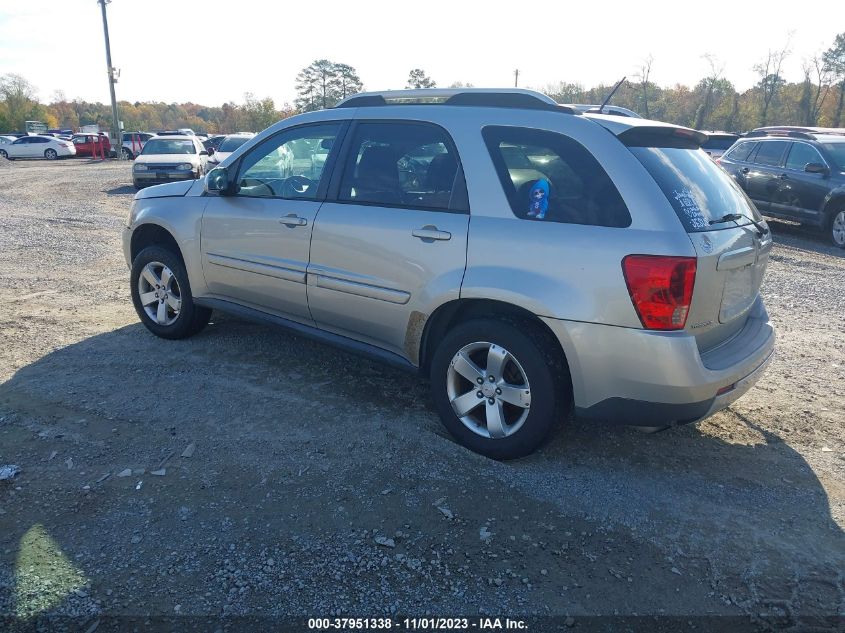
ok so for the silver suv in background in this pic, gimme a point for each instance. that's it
(529, 260)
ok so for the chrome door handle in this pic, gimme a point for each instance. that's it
(293, 220)
(430, 233)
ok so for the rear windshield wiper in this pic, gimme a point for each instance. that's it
(736, 217)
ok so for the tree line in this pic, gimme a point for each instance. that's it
(712, 104)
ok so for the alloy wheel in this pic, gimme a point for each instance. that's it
(50, 154)
(838, 228)
(160, 294)
(488, 390)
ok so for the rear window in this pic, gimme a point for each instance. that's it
(698, 189)
(719, 142)
(232, 143)
(837, 153)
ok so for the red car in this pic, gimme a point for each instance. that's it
(88, 144)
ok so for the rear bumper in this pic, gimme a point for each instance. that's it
(643, 378)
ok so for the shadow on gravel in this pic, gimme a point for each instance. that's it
(705, 524)
(120, 191)
(801, 237)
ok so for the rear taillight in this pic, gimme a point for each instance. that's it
(660, 288)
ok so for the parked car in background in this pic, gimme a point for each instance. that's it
(5, 138)
(599, 263)
(36, 146)
(213, 142)
(718, 143)
(230, 144)
(91, 144)
(133, 143)
(168, 158)
(797, 176)
(597, 109)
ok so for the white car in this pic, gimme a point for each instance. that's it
(5, 140)
(227, 146)
(36, 146)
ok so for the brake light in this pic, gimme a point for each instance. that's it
(660, 288)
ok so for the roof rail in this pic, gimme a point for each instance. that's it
(783, 132)
(480, 97)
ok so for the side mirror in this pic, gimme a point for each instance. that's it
(815, 168)
(203, 152)
(217, 180)
(210, 151)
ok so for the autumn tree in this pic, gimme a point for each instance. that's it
(769, 70)
(834, 63)
(418, 79)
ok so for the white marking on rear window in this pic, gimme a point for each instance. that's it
(690, 208)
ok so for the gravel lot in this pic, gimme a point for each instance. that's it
(322, 484)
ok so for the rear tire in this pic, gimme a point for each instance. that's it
(171, 312)
(514, 419)
(50, 154)
(4, 154)
(836, 227)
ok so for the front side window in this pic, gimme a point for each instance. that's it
(403, 164)
(801, 154)
(231, 143)
(168, 146)
(550, 177)
(770, 153)
(289, 165)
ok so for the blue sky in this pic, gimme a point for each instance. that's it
(212, 51)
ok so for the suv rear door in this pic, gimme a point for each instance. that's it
(731, 255)
(392, 236)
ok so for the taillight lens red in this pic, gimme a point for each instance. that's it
(660, 288)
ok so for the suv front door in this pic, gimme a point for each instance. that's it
(255, 242)
(391, 240)
(761, 179)
(800, 193)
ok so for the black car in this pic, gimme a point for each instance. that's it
(793, 175)
(213, 142)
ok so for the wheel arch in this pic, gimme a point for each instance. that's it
(151, 234)
(458, 311)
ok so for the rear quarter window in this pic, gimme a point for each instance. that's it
(697, 188)
(741, 151)
(550, 177)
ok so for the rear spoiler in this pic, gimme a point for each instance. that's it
(663, 136)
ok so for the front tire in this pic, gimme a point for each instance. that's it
(162, 295)
(127, 155)
(4, 154)
(836, 227)
(50, 154)
(519, 381)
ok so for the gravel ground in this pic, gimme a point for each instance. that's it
(250, 473)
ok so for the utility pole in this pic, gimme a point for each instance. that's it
(516, 78)
(116, 137)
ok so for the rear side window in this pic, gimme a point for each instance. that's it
(697, 188)
(403, 164)
(741, 151)
(550, 177)
(770, 153)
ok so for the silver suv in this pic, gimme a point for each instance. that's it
(528, 259)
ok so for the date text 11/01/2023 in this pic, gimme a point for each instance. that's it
(417, 624)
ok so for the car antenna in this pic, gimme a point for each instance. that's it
(612, 92)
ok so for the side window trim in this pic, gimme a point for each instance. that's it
(328, 168)
(457, 197)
